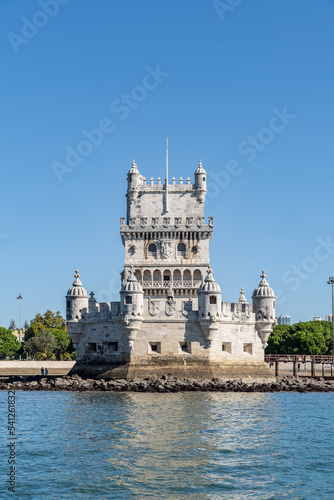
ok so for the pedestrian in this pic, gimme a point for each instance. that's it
(298, 366)
(305, 367)
(42, 371)
(46, 372)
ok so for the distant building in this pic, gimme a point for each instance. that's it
(283, 319)
(317, 318)
(329, 317)
(16, 333)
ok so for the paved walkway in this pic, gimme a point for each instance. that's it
(305, 369)
(34, 367)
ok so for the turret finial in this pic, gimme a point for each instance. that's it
(242, 297)
(263, 275)
(77, 275)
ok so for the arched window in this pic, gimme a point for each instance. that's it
(181, 250)
(167, 276)
(213, 299)
(197, 277)
(152, 250)
(138, 275)
(128, 299)
(68, 304)
(157, 278)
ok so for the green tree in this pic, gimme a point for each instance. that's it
(46, 321)
(12, 325)
(64, 342)
(42, 345)
(9, 345)
(310, 337)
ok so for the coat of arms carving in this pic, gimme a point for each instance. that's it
(165, 249)
(170, 307)
(187, 308)
(189, 221)
(143, 221)
(200, 221)
(166, 222)
(132, 221)
(177, 222)
(155, 221)
(154, 307)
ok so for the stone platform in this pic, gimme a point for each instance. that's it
(190, 369)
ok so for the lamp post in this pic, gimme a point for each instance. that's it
(331, 282)
(20, 298)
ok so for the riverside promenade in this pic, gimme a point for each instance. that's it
(303, 366)
(17, 367)
(282, 366)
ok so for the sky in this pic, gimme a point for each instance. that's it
(244, 86)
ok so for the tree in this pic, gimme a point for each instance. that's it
(12, 325)
(310, 337)
(48, 321)
(63, 340)
(9, 345)
(45, 344)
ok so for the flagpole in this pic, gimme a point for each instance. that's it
(166, 184)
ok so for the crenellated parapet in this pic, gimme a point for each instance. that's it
(166, 223)
(170, 199)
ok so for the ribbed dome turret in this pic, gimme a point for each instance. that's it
(263, 290)
(133, 169)
(131, 284)
(209, 284)
(200, 169)
(77, 290)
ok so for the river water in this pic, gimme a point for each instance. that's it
(170, 446)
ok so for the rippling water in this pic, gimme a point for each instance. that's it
(171, 446)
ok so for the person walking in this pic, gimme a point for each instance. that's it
(46, 371)
(42, 371)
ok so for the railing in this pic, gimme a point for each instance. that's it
(173, 284)
(301, 358)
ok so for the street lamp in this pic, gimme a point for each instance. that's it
(20, 298)
(331, 282)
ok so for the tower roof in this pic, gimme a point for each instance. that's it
(133, 169)
(77, 290)
(209, 284)
(263, 290)
(131, 284)
(200, 169)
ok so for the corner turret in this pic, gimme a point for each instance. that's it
(132, 300)
(264, 309)
(209, 306)
(76, 300)
(200, 183)
(134, 179)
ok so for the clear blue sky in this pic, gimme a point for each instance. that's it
(224, 79)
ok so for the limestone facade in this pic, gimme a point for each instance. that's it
(170, 308)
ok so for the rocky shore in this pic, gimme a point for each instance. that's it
(163, 384)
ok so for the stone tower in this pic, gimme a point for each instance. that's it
(165, 236)
(170, 318)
